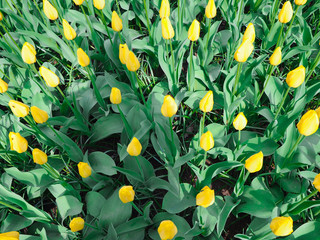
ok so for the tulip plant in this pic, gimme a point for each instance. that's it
(159, 119)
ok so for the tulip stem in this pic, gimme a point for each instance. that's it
(106, 26)
(90, 226)
(279, 37)
(314, 192)
(208, 35)
(136, 208)
(301, 137)
(55, 132)
(172, 56)
(51, 171)
(125, 122)
(239, 138)
(43, 18)
(190, 68)
(204, 161)
(202, 126)
(274, 11)
(288, 29)
(141, 93)
(6, 30)
(314, 65)
(239, 12)
(265, 85)
(120, 37)
(171, 128)
(95, 88)
(140, 168)
(281, 104)
(237, 79)
(148, 24)
(10, 206)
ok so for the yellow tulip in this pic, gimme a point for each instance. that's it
(169, 106)
(296, 77)
(126, 194)
(17, 142)
(39, 157)
(76, 224)
(300, 2)
(206, 141)
(9, 236)
(276, 57)
(68, 31)
(167, 29)
(240, 122)
(286, 13)
(254, 163)
(211, 10)
(50, 10)
(167, 230)
(116, 22)
(51, 79)
(282, 226)
(244, 51)
(84, 169)
(78, 2)
(99, 4)
(39, 116)
(123, 53)
(83, 58)
(115, 96)
(194, 31)
(164, 9)
(316, 182)
(309, 123)
(1, 16)
(19, 109)
(28, 53)
(3, 86)
(205, 198)
(318, 112)
(206, 103)
(132, 62)
(249, 34)
(134, 148)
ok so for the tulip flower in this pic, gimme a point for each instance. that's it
(316, 182)
(1, 16)
(83, 58)
(17, 142)
(132, 62)
(51, 79)
(275, 58)
(286, 13)
(115, 96)
(167, 29)
(116, 22)
(205, 198)
(19, 109)
(211, 10)
(206, 103)
(300, 2)
(296, 77)
(167, 230)
(282, 226)
(68, 31)
(240, 122)
(123, 53)
(169, 106)
(39, 157)
(134, 148)
(50, 10)
(244, 51)
(249, 34)
(309, 123)
(39, 116)
(254, 163)
(206, 141)
(318, 112)
(126, 194)
(78, 2)
(10, 235)
(3, 86)
(28, 53)
(76, 224)
(84, 169)
(99, 4)
(194, 31)
(164, 9)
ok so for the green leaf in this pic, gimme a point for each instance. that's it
(68, 206)
(102, 163)
(309, 230)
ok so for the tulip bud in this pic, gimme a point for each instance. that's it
(78, 2)
(167, 230)
(164, 9)
(206, 141)
(309, 123)
(17, 142)
(205, 198)
(211, 10)
(19, 109)
(68, 31)
(300, 2)
(286, 13)
(134, 148)
(169, 106)
(39, 115)
(83, 58)
(116, 22)
(318, 112)
(194, 31)
(84, 169)
(316, 182)
(115, 96)
(167, 29)
(244, 51)
(240, 122)
(132, 62)
(123, 53)
(126, 194)
(206, 103)
(3, 86)
(282, 226)
(249, 34)
(275, 58)
(39, 157)
(51, 79)
(50, 10)
(76, 224)
(10, 235)
(28, 53)
(296, 77)
(254, 163)
(1, 16)
(99, 4)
